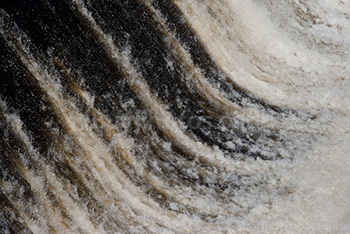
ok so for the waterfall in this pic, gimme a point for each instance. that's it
(184, 116)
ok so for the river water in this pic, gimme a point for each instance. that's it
(174, 116)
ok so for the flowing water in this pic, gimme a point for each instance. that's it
(183, 116)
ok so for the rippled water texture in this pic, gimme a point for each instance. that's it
(183, 116)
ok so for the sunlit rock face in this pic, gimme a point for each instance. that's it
(184, 116)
